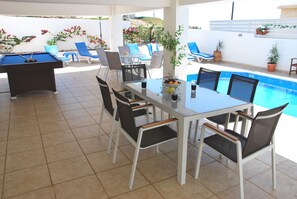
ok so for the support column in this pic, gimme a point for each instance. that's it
(174, 16)
(116, 33)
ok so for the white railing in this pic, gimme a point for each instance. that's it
(277, 28)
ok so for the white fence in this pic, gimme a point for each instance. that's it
(278, 28)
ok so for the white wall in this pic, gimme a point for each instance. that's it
(24, 26)
(245, 49)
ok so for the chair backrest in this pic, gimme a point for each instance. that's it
(262, 130)
(157, 60)
(102, 56)
(124, 50)
(152, 47)
(114, 60)
(134, 72)
(133, 48)
(126, 115)
(242, 88)
(82, 49)
(208, 78)
(52, 49)
(105, 92)
(193, 48)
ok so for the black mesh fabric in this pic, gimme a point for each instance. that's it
(242, 88)
(262, 130)
(105, 95)
(126, 115)
(157, 135)
(134, 72)
(260, 136)
(208, 78)
(224, 146)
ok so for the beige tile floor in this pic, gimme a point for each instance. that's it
(49, 148)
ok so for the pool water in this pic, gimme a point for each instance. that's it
(271, 92)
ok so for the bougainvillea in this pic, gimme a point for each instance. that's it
(96, 41)
(8, 41)
(69, 33)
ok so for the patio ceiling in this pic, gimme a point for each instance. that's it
(85, 7)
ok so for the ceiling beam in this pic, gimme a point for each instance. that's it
(134, 3)
(191, 2)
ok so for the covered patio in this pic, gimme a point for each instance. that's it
(50, 149)
(49, 145)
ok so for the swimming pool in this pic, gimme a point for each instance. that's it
(271, 92)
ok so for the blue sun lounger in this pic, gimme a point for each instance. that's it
(83, 51)
(195, 52)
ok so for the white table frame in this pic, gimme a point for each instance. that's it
(183, 124)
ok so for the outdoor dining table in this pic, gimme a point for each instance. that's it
(190, 106)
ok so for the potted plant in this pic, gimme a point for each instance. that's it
(272, 58)
(217, 53)
(170, 42)
(262, 30)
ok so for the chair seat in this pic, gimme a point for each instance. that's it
(224, 146)
(221, 119)
(204, 55)
(157, 135)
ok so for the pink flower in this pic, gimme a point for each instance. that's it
(44, 32)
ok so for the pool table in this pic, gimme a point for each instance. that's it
(27, 72)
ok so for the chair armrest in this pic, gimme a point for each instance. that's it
(135, 100)
(244, 115)
(135, 108)
(158, 124)
(221, 132)
(123, 90)
(293, 58)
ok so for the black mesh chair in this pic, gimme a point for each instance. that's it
(141, 137)
(241, 149)
(112, 112)
(133, 72)
(242, 88)
(207, 79)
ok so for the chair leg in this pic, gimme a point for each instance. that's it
(240, 168)
(198, 162)
(154, 113)
(136, 153)
(100, 121)
(273, 164)
(99, 70)
(196, 130)
(106, 75)
(111, 131)
(149, 73)
(116, 146)
(190, 127)
(158, 148)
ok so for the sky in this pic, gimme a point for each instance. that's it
(201, 14)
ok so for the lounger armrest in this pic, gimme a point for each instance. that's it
(135, 108)
(158, 124)
(221, 132)
(244, 115)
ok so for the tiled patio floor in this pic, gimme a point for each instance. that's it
(49, 148)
